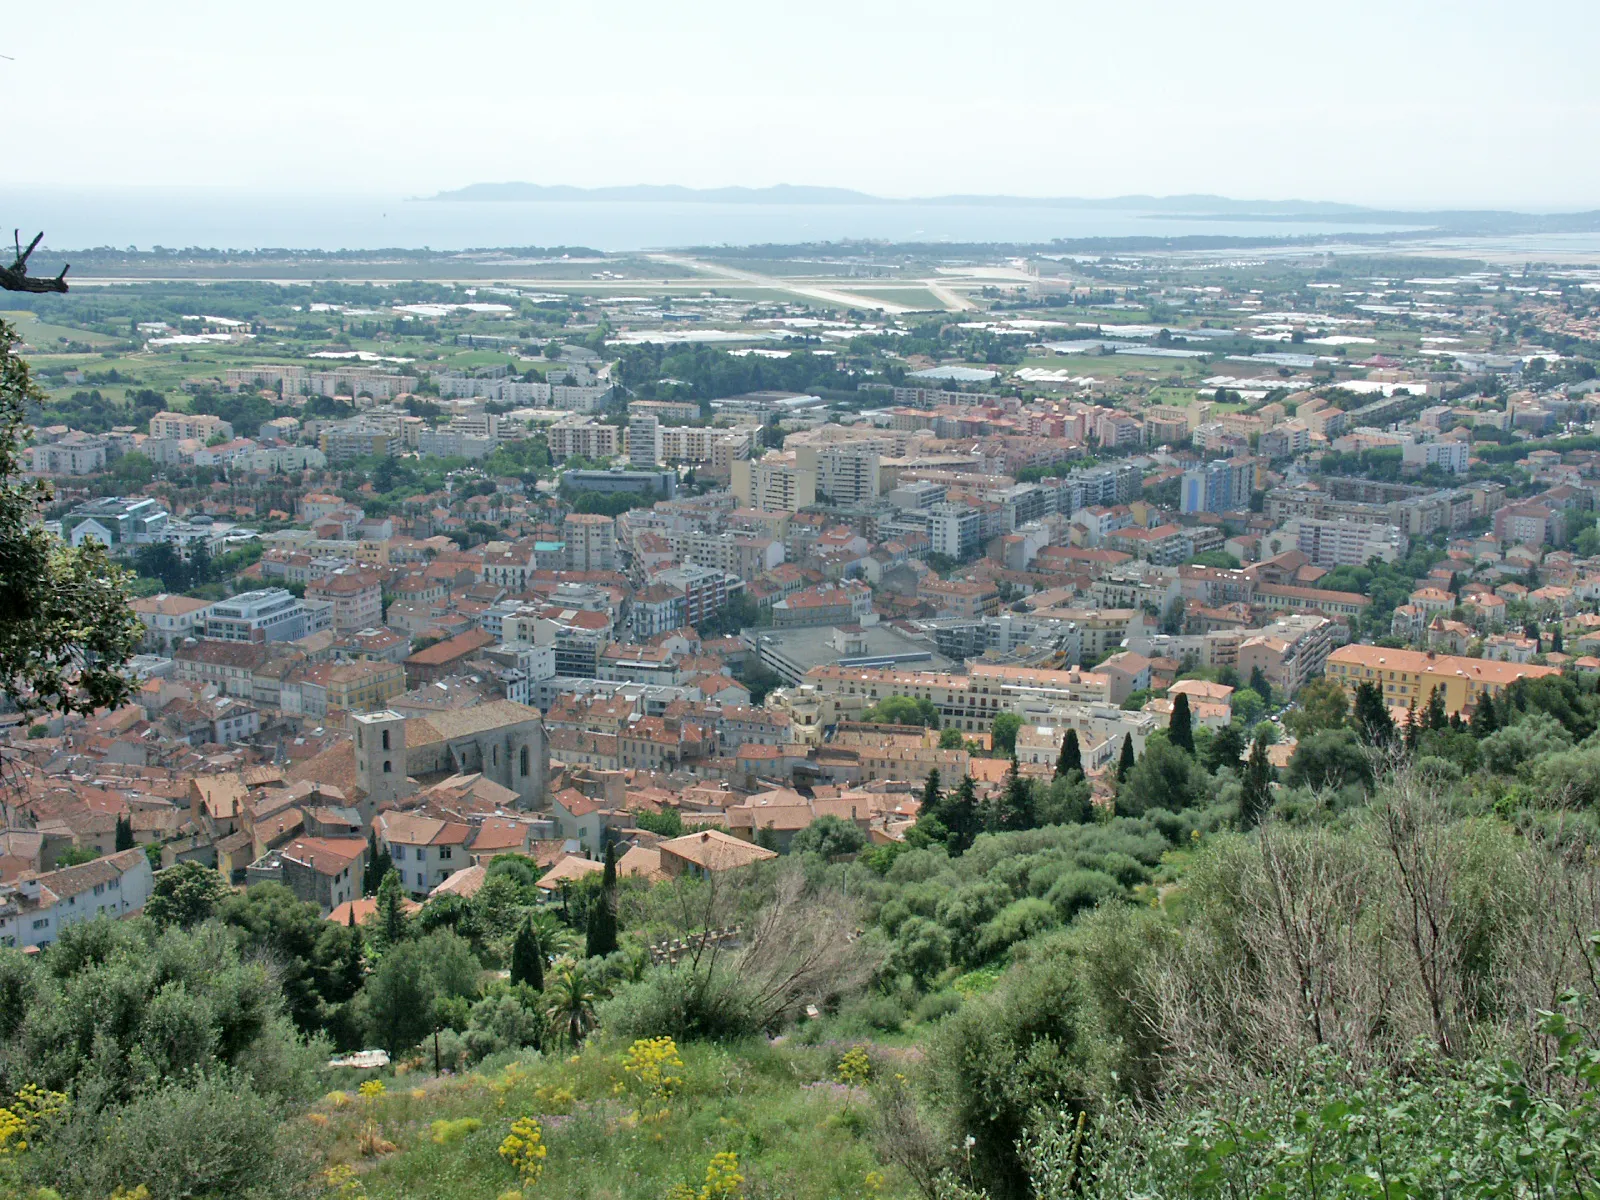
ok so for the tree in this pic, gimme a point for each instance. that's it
(932, 797)
(667, 823)
(1226, 749)
(1256, 796)
(1260, 684)
(1180, 730)
(1371, 715)
(393, 925)
(1003, 732)
(1320, 705)
(1436, 717)
(571, 1008)
(1071, 757)
(185, 895)
(828, 837)
(124, 832)
(65, 626)
(1330, 759)
(961, 817)
(601, 937)
(903, 710)
(1484, 718)
(1016, 810)
(1164, 777)
(379, 864)
(527, 958)
(1125, 759)
(404, 996)
(951, 739)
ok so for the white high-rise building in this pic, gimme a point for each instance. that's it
(644, 440)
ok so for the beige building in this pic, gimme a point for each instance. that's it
(774, 483)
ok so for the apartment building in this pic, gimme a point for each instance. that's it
(590, 541)
(355, 596)
(644, 440)
(1338, 544)
(844, 473)
(201, 426)
(36, 908)
(169, 619)
(774, 483)
(263, 615)
(75, 454)
(1407, 675)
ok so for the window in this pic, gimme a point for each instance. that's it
(523, 756)
(444, 851)
(386, 766)
(399, 855)
(385, 739)
(42, 923)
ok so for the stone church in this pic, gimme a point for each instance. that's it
(504, 741)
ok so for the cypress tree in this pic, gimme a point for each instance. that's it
(391, 909)
(932, 799)
(1484, 719)
(1372, 718)
(1125, 762)
(1256, 798)
(125, 832)
(961, 817)
(1180, 730)
(1071, 757)
(601, 934)
(1413, 730)
(527, 958)
(1016, 802)
(1437, 719)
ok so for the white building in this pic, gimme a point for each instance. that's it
(35, 909)
(1452, 456)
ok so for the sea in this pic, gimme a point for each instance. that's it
(144, 218)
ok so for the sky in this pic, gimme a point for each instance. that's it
(1392, 103)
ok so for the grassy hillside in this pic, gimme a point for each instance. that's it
(796, 1130)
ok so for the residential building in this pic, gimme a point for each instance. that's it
(644, 440)
(356, 597)
(76, 454)
(116, 522)
(1407, 675)
(774, 483)
(425, 850)
(1452, 456)
(202, 427)
(1338, 543)
(168, 620)
(955, 530)
(37, 907)
(591, 542)
(263, 615)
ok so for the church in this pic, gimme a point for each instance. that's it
(391, 756)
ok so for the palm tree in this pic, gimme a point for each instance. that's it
(555, 936)
(571, 1008)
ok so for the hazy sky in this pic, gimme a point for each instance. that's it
(1463, 103)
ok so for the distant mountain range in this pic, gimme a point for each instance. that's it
(786, 193)
(1463, 222)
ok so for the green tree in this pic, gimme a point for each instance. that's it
(379, 864)
(1071, 758)
(403, 998)
(903, 710)
(527, 958)
(185, 895)
(571, 1004)
(1371, 715)
(1320, 704)
(1226, 749)
(124, 832)
(389, 916)
(1260, 684)
(1165, 777)
(1255, 798)
(1125, 760)
(1331, 759)
(1180, 729)
(951, 739)
(828, 837)
(1016, 807)
(959, 814)
(601, 937)
(1003, 732)
(667, 823)
(66, 630)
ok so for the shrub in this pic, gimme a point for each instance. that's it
(681, 1003)
(448, 1133)
(1019, 920)
(1078, 890)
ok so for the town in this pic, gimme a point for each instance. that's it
(603, 582)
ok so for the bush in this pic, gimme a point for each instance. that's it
(682, 1003)
(1006, 1057)
(214, 1136)
(1017, 922)
(1079, 890)
(936, 1006)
